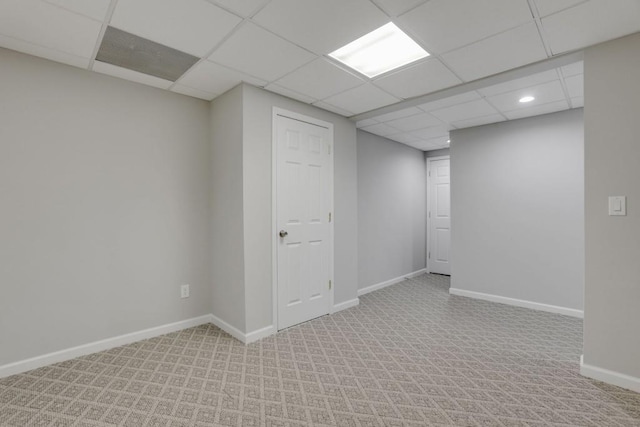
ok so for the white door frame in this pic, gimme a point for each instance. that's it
(274, 204)
(429, 161)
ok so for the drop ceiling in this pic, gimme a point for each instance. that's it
(426, 125)
(283, 46)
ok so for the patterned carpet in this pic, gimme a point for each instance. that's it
(409, 355)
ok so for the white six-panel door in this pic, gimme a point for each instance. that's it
(303, 209)
(439, 216)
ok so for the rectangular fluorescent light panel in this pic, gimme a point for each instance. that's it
(382, 50)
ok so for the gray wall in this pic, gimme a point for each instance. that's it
(227, 238)
(518, 209)
(257, 166)
(104, 207)
(391, 209)
(242, 121)
(114, 194)
(612, 162)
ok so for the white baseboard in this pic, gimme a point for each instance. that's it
(241, 336)
(231, 330)
(96, 346)
(610, 377)
(518, 302)
(259, 334)
(347, 304)
(270, 330)
(390, 282)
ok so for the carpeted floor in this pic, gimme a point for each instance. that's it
(409, 355)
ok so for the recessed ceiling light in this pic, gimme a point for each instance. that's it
(448, 141)
(382, 50)
(525, 99)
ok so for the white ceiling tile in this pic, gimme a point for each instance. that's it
(428, 76)
(361, 99)
(381, 129)
(134, 76)
(213, 78)
(547, 7)
(405, 138)
(333, 109)
(321, 26)
(244, 8)
(468, 110)
(46, 25)
(573, 69)
(577, 102)
(537, 110)
(575, 85)
(432, 132)
(443, 25)
(191, 26)
(450, 101)
(195, 93)
(43, 52)
(521, 83)
(397, 7)
(479, 121)
(95, 9)
(412, 111)
(320, 79)
(416, 144)
(543, 94)
(411, 123)
(422, 146)
(502, 52)
(440, 142)
(259, 53)
(590, 23)
(290, 93)
(365, 122)
(433, 143)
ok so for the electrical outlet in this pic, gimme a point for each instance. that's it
(184, 291)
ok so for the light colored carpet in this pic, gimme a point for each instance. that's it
(409, 355)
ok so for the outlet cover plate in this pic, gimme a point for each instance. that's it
(184, 291)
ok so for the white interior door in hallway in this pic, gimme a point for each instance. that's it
(439, 215)
(304, 223)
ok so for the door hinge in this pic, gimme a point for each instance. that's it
(329, 216)
(429, 173)
(329, 149)
(329, 284)
(429, 254)
(429, 214)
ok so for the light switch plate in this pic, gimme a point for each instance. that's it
(617, 205)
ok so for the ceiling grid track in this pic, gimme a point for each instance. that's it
(538, 20)
(544, 65)
(103, 30)
(210, 52)
(484, 55)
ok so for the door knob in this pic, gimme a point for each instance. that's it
(283, 234)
